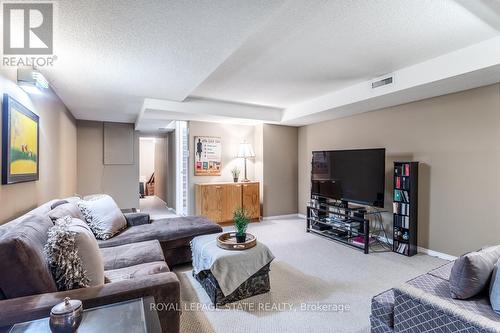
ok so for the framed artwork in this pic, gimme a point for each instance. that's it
(207, 159)
(20, 142)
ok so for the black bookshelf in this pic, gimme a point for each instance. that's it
(338, 221)
(405, 208)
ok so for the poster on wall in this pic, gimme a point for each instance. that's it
(20, 142)
(207, 160)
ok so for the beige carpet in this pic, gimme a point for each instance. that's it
(308, 271)
(155, 207)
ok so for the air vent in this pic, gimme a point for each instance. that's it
(383, 81)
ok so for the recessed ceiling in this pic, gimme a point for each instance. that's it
(257, 59)
(307, 50)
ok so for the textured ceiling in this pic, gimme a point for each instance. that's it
(114, 54)
(308, 50)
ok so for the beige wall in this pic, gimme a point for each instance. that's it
(455, 137)
(231, 136)
(258, 161)
(146, 158)
(57, 152)
(160, 168)
(280, 158)
(119, 181)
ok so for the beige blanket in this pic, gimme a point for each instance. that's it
(230, 268)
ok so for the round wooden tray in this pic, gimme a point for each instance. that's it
(227, 241)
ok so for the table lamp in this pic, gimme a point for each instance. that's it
(245, 151)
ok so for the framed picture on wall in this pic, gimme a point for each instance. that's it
(20, 142)
(207, 159)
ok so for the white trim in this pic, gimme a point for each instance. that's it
(427, 251)
(281, 217)
(436, 254)
(420, 249)
(181, 194)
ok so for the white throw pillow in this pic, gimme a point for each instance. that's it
(103, 216)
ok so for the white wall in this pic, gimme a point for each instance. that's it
(147, 158)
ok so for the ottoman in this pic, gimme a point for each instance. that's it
(228, 276)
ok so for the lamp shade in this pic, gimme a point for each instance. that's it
(245, 150)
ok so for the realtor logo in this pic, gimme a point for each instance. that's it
(28, 28)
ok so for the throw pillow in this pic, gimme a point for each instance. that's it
(67, 209)
(85, 245)
(471, 272)
(94, 196)
(58, 203)
(103, 216)
(495, 289)
(62, 257)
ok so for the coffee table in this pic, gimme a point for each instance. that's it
(129, 316)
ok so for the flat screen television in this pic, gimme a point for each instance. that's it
(356, 176)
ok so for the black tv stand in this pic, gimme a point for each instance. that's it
(338, 221)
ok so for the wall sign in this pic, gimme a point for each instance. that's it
(207, 156)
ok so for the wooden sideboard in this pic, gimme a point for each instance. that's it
(217, 201)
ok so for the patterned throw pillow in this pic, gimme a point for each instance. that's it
(62, 257)
(103, 216)
(471, 272)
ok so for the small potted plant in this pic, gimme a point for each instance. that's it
(236, 174)
(241, 221)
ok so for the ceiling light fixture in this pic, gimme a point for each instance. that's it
(31, 80)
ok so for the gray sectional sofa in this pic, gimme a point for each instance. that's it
(136, 264)
(424, 304)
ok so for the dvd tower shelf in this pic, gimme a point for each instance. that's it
(405, 208)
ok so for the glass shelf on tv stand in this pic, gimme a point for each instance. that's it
(340, 216)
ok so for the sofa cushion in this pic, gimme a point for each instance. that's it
(383, 307)
(135, 271)
(103, 216)
(65, 209)
(471, 272)
(167, 231)
(22, 262)
(378, 326)
(435, 286)
(131, 254)
(443, 271)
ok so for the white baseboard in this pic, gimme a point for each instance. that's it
(427, 251)
(281, 217)
(420, 249)
(436, 254)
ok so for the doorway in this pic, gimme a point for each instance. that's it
(153, 177)
(163, 172)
